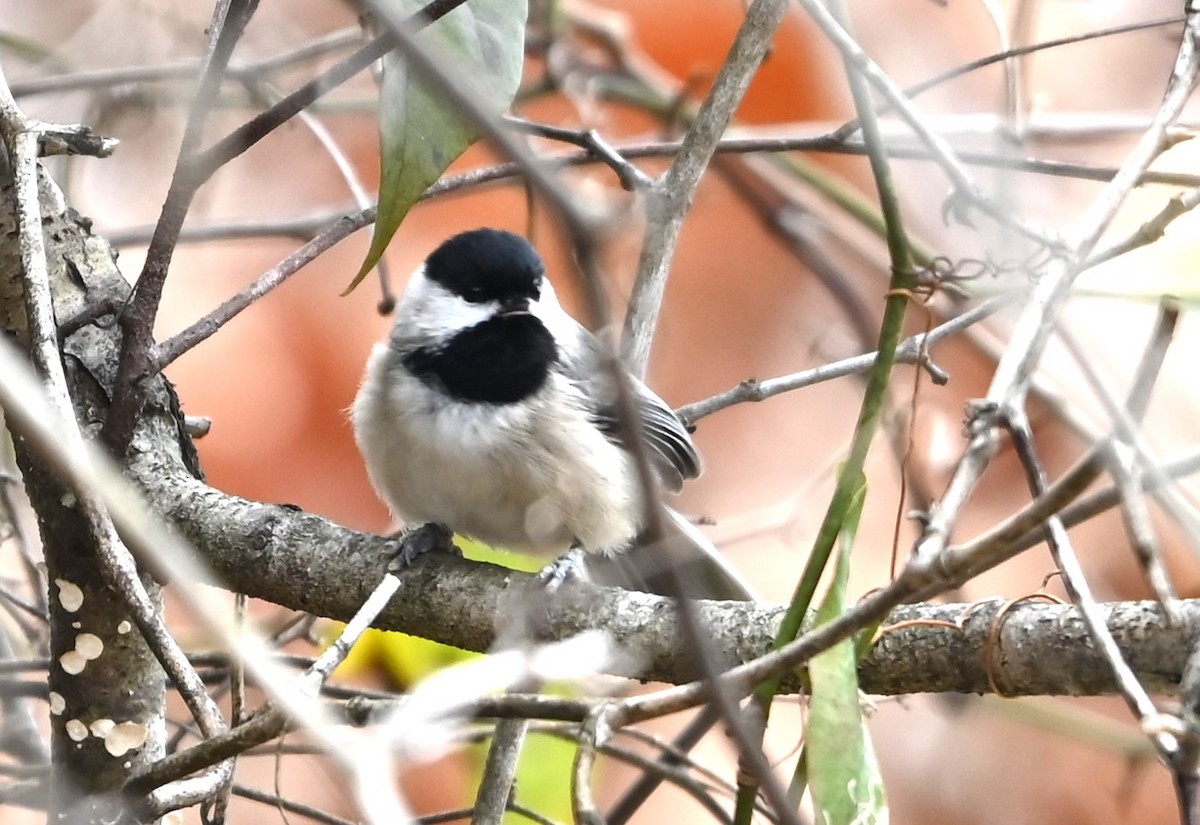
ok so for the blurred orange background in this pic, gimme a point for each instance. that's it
(277, 381)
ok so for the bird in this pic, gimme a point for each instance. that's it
(492, 413)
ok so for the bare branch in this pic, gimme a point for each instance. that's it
(910, 351)
(669, 200)
(1037, 321)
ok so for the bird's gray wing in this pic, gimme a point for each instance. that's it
(671, 448)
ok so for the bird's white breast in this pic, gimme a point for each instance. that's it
(534, 476)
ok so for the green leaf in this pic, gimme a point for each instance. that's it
(477, 551)
(842, 770)
(420, 133)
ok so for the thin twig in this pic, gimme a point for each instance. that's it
(307, 811)
(251, 132)
(673, 755)
(668, 203)
(1130, 461)
(1139, 527)
(345, 167)
(945, 156)
(230, 18)
(22, 611)
(496, 786)
(185, 69)
(598, 149)
(1186, 764)
(593, 733)
(1027, 342)
(1151, 230)
(318, 673)
(1136, 696)
(305, 227)
(34, 576)
(19, 733)
(910, 351)
(671, 197)
(1076, 582)
(201, 330)
(850, 127)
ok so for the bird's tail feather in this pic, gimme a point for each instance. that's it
(686, 555)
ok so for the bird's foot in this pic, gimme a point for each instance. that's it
(567, 568)
(412, 544)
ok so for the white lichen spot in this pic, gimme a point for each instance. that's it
(57, 703)
(173, 818)
(89, 646)
(70, 596)
(124, 627)
(68, 499)
(76, 730)
(101, 728)
(72, 662)
(125, 737)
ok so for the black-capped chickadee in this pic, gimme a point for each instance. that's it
(489, 411)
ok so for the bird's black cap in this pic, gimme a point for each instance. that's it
(487, 265)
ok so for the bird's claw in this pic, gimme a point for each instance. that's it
(428, 538)
(567, 568)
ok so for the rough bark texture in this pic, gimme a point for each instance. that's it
(124, 684)
(102, 673)
(1030, 649)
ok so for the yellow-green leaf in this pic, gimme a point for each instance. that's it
(420, 133)
(843, 773)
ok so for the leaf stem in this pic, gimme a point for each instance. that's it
(850, 479)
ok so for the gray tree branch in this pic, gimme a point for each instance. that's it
(305, 562)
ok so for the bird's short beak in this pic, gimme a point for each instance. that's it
(515, 306)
